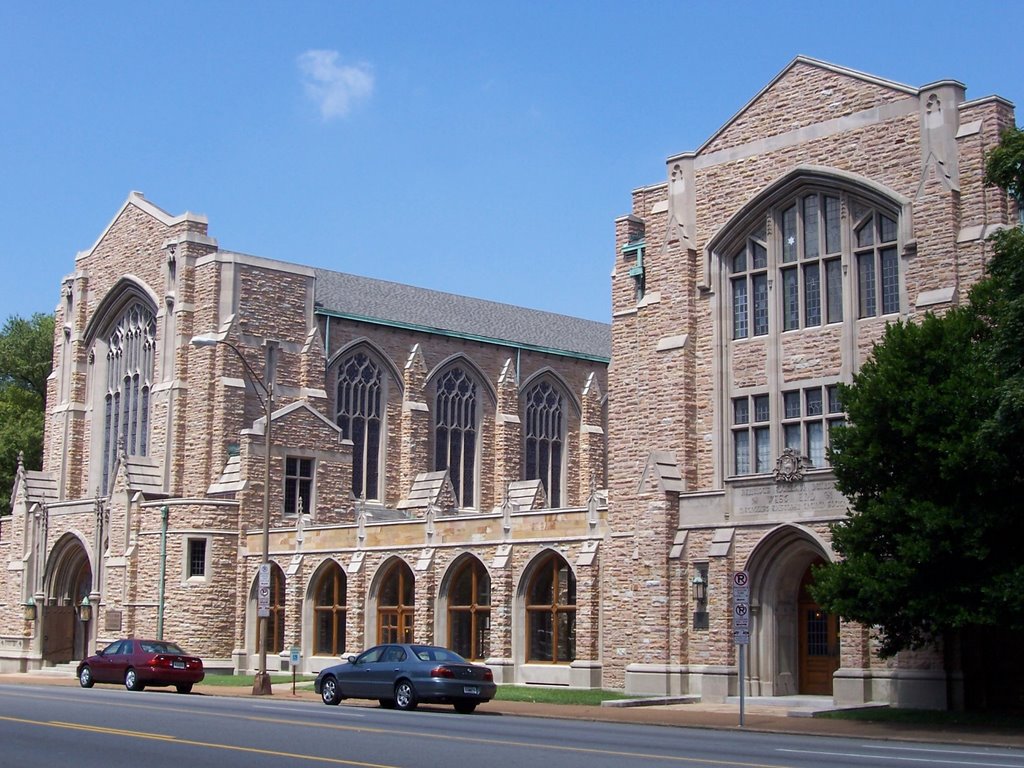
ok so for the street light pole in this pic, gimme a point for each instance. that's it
(261, 682)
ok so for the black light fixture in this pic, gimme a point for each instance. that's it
(700, 586)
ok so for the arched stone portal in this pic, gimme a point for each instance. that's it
(779, 567)
(68, 581)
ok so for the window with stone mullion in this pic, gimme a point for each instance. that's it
(359, 417)
(545, 435)
(130, 368)
(455, 432)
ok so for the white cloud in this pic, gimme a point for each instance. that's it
(335, 88)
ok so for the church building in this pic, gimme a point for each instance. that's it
(567, 501)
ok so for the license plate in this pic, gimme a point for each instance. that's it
(471, 690)
(178, 664)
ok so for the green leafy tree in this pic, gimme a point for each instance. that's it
(931, 462)
(26, 354)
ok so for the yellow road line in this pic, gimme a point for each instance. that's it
(437, 737)
(192, 743)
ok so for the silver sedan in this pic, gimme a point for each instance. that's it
(404, 675)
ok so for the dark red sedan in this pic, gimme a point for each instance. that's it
(138, 663)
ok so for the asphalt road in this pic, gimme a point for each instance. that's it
(113, 728)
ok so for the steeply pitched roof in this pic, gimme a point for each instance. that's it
(422, 309)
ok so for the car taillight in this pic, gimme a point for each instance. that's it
(159, 661)
(488, 674)
(441, 672)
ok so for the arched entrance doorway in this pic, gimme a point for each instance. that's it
(68, 582)
(818, 640)
(794, 646)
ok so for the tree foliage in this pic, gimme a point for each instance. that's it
(26, 353)
(931, 462)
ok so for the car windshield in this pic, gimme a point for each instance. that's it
(432, 653)
(161, 647)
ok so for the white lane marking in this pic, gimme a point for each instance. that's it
(926, 760)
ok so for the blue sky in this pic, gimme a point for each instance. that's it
(473, 147)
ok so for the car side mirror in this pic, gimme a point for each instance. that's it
(100, 653)
(351, 659)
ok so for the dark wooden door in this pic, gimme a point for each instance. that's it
(819, 644)
(58, 633)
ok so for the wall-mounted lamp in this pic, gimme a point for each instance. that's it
(85, 610)
(29, 608)
(700, 587)
(701, 620)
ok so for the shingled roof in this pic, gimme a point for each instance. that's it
(366, 298)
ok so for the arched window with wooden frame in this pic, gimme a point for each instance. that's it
(396, 604)
(330, 608)
(469, 610)
(551, 611)
(275, 621)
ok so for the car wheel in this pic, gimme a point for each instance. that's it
(184, 687)
(131, 681)
(329, 691)
(386, 703)
(85, 678)
(465, 707)
(405, 695)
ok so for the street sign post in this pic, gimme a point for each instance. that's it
(296, 656)
(741, 627)
(263, 591)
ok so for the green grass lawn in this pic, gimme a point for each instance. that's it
(245, 681)
(554, 695)
(538, 694)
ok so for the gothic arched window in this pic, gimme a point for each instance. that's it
(361, 418)
(544, 433)
(131, 351)
(396, 605)
(551, 612)
(329, 610)
(455, 432)
(469, 610)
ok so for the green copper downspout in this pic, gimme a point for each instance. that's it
(163, 573)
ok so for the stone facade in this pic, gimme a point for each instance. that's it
(745, 287)
(693, 363)
(154, 515)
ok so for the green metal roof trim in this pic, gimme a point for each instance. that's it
(396, 305)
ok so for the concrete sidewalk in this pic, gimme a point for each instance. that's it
(778, 714)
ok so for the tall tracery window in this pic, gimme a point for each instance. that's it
(749, 279)
(131, 351)
(811, 270)
(455, 432)
(360, 417)
(814, 258)
(329, 612)
(469, 611)
(396, 605)
(551, 612)
(544, 431)
(878, 273)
